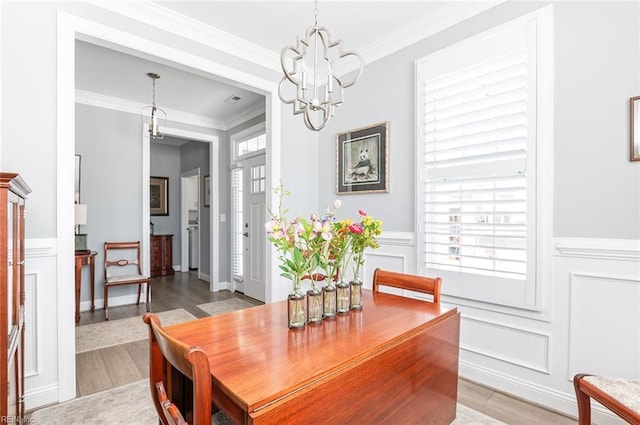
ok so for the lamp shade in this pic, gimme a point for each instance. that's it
(80, 214)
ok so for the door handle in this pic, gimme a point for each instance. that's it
(245, 234)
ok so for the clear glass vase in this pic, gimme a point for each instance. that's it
(314, 306)
(297, 316)
(355, 302)
(343, 297)
(329, 301)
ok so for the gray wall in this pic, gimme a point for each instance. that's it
(596, 189)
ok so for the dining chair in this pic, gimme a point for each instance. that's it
(621, 396)
(167, 356)
(170, 411)
(423, 284)
(120, 271)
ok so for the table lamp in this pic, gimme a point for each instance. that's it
(80, 213)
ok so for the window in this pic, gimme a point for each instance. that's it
(258, 178)
(478, 139)
(237, 260)
(251, 145)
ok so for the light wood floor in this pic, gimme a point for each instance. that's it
(119, 365)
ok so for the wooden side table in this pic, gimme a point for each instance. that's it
(84, 258)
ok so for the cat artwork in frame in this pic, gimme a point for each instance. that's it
(362, 160)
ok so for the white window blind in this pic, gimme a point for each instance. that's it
(237, 260)
(478, 121)
(475, 135)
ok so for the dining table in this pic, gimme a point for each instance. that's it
(395, 361)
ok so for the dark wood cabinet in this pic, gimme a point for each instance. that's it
(161, 255)
(13, 191)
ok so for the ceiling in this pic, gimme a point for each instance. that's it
(267, 26)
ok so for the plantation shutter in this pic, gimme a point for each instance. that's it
(477, 133)
(236, 223)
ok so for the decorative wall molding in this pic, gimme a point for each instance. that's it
(41, 396)
(536, 341)
(31, 347)
(397, 238)
(604, 249)
(44, 247)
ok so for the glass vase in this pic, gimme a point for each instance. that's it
(329, 301)
(296, 312)
(343, 297)
(355, 287)
(314, 306)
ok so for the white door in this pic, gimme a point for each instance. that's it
(254, 217)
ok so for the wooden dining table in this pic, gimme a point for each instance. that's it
(393, 362)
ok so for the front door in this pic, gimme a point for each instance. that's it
(254, 217)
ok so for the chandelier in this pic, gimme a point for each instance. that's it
(158, 116)
(311, 83)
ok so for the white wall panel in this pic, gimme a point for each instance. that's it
(604, 329)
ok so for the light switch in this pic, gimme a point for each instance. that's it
(223, 218)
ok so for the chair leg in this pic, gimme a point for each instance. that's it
(106, 302)
(139, 290)
(584, 402)
(148, 289)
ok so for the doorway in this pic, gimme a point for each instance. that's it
(190, 222)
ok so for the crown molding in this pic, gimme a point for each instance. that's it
(443, 18)
(123, 105)
(158, 16)
(251, 112)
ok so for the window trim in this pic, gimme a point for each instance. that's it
(536, 291)
(241, 136)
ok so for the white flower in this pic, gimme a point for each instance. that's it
(337, 203)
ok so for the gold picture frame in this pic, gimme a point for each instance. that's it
(634, 111)
(159, 196)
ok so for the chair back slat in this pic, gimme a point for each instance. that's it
(423, 284)
(166, 353)
(170, 411)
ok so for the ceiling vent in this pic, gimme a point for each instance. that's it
(233, 99)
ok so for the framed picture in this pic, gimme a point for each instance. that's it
(362, 160)
(76, 196)
(634, 105)
(159, 195)
(207, 191)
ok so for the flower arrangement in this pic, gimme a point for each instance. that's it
(319, 243)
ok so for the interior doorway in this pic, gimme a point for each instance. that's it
(190, 222)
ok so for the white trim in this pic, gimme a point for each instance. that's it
(603, 249)
(252, 111)
(427, 26)
(69, 27)
(397, 238)
(124, 105)
(168, 20)
(40, 247)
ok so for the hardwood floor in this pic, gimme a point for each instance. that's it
(119, 365)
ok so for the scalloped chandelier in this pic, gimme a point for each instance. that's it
(310, 81)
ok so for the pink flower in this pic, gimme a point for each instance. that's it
(314, 216)
(356, 228)
(362, 213)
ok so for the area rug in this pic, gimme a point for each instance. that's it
(224, 306)
(114, 332)
(131, 404)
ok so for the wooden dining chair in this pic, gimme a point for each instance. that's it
(169, 357)
(423, 284)
(170, 411)
(621, 396)
(122, 267)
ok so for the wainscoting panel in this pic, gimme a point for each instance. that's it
(41, 364)
(504, 342)
(604, 328)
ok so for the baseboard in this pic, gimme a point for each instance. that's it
(530, 392)
(41, 397)
(113, 301)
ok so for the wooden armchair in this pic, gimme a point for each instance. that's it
(168, 358)
(423, 284)
(170, 411)
(123, 271)
(621, 396)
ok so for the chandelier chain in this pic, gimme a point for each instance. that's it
(315, 12)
